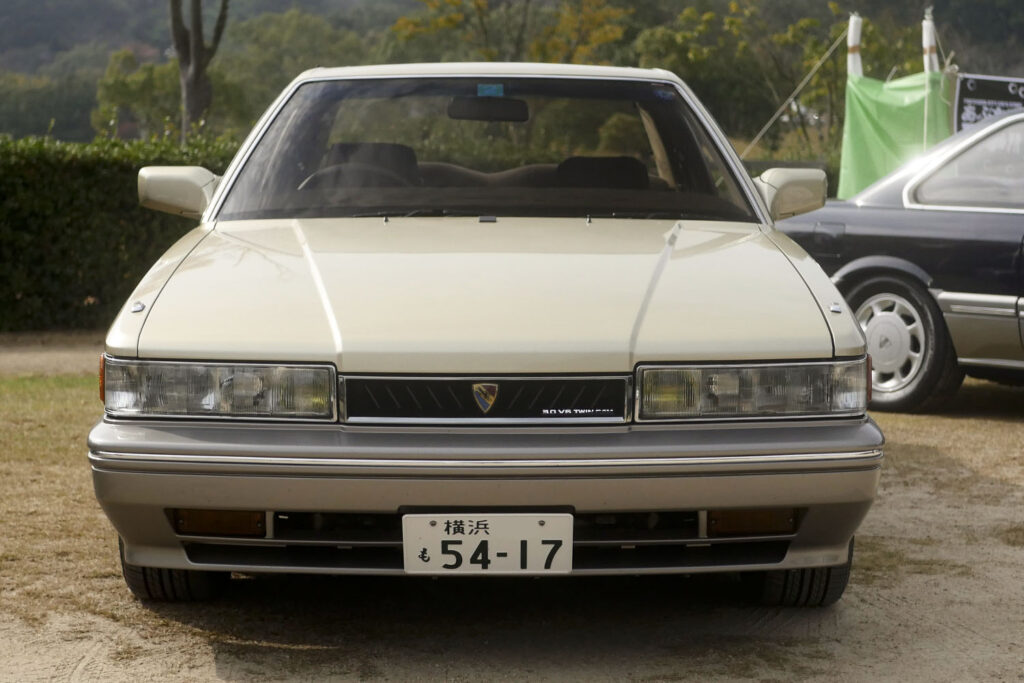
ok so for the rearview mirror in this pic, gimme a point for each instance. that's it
(791, 191)
(181, 190)
(488, 109)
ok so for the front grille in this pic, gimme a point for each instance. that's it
(477, 399)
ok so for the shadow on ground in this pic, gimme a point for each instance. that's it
(988, 400)
(363, 626)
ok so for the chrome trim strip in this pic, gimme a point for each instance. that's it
(993, 362)
(481, 378)
(273, 542)
(910, 188)
(981, 310)
(871, 457)
(966, 303)
(963, 209)
(483, 420)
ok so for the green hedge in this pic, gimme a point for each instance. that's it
(74, 241)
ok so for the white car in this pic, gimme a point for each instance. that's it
(492, 319)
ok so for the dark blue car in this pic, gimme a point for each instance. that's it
(930, 260)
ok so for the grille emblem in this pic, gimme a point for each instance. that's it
(485, 395)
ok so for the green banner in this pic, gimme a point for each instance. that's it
(889, 122)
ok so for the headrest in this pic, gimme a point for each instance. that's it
(616, 172)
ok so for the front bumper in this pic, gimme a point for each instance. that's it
(828, 470)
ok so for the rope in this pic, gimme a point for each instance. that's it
(789, 100)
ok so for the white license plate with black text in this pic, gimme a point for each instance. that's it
(470, 543)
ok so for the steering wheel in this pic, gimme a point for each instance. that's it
(368, 171)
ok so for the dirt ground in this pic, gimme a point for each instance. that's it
(937, 591)
(27, 353)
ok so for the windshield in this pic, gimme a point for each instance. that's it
(486, 146)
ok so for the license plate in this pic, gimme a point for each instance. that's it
(470, 543)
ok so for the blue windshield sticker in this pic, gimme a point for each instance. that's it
(490, 90)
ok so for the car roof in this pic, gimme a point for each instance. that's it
(888, 190)
(488, 69)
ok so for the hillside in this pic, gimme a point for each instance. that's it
(72, 68)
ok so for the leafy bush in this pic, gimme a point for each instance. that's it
(74, 241)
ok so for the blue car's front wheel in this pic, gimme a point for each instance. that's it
(914, 365)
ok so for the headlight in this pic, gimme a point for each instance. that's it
(218, 390)
(752, 391)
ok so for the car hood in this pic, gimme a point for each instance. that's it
(456, 295)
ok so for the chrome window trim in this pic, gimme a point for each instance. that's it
(496, 421)
(961, 209)
(912, 185)
(752, 418)
(228, 418)
(725, 148)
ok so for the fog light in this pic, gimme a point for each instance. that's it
(751, 522)
(218, 522)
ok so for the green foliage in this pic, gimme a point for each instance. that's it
(572, 31)
(260, 56)
(743, 62)
(256, 60)
(137, 100)
(737, 64)
(41, 105)
(73, 240)
(579, 32)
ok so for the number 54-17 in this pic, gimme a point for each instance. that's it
(481, 555)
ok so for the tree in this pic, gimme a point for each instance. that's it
(744, 63)
(511, 30)
(45, 105)
(492, 30)
(263, 54)
(730, 59)
(136, 100)
(194, 57)
(581, 29)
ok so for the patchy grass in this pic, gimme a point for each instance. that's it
(59, 550)
(884, 560)
(1013, 535)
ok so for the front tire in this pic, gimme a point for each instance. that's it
(171, 585)
(914, 365)
(813, 587)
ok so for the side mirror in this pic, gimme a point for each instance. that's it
(181, 190)
(792, 191)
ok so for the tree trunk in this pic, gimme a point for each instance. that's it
(194, 57)
(196, 97)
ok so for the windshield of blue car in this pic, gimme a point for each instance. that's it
(486, 146)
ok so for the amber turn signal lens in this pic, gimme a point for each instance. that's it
(219, 522)
(751, 522)
(869, 380)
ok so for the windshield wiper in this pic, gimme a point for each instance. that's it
(659, 215)
(414, 213)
